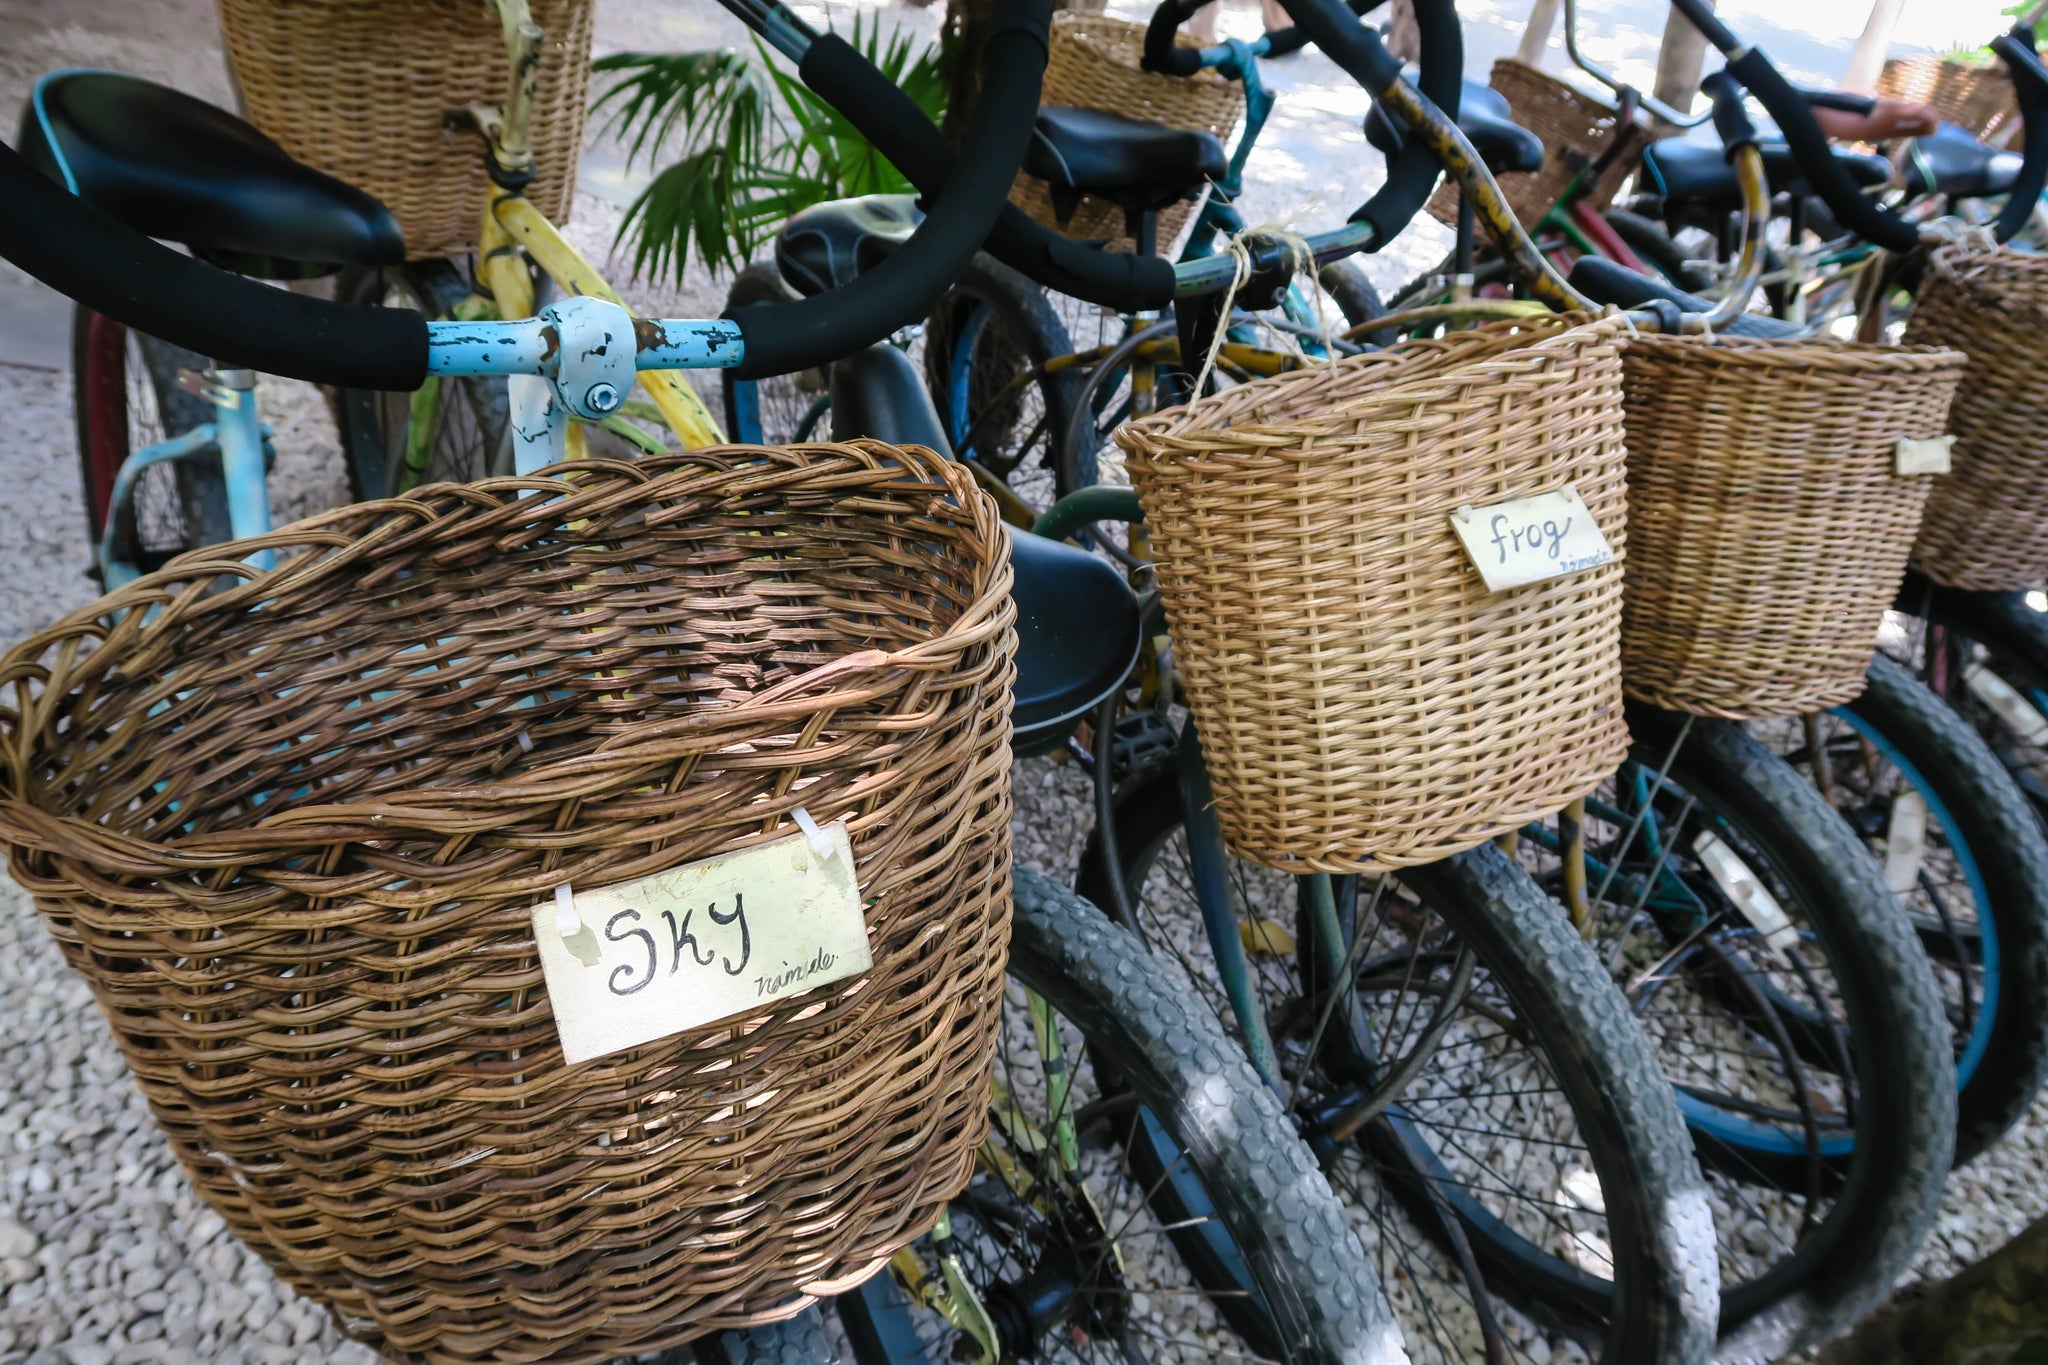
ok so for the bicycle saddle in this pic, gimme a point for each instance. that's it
(1139, 166)
(1485, 119)
(182, 170)
(1688, 173)
(829, 245)
(1605, 281)
(1950, 162)
(1077, 621)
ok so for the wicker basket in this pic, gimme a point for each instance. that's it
(1979, 98)
(365, 90)
(1093, 64)
(1365, 703)
(1575, 127)
(1987, 522)
(1768, 527)
(453, 702)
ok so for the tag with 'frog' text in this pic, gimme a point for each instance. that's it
(630, 963)
(1531, 539)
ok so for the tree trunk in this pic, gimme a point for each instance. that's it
(1992, 1313)
(964, 37)
(1536, 35)
(1866, 60)
(1678, 62)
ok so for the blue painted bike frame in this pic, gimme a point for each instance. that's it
(564, 365)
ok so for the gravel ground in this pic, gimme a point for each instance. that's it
(104, 1253)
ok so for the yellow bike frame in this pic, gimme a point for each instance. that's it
(514, 231)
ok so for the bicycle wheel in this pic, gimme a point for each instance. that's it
(1648, 239)
(805, 1339)
(1986, 654)
(125, 396)
(1962, 849)
(1172, 1216)
(1793, 1012)
(1521, 1177)
(986, 347)
(466, 431)
(782, 410)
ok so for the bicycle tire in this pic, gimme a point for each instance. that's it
(781, 410)
(1031, 334)
(1346, 283)
(802, 1340)
(1648, 239)
(473, 436)
(1984, 816)
(1310, 1271)
(1661, 1226)
(2014, 640)
(1904, 1133)
(125, 396)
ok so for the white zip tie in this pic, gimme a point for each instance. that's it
(820, 842)
(526, 741)
(567, 922)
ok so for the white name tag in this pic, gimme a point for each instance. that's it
(1924, 456)
(631, 963)
(1531, 539)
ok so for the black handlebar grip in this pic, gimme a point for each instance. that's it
(890, 119)
(2030, 88)
(902, 289)
(1731, 111)
(1280, 42)
(1162, 54)
(1809, 146)
(92, 257)
(1413, 171)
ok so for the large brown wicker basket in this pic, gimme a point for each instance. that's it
(1575, 126)
(1987, 522)
(1978, 97)
(290, 831)
(1768, 527)
(375, 92)
(1093, 64)
(1365, 703)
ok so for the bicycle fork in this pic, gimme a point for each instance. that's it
(241, 440)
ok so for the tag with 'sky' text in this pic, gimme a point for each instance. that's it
(1530, 539)
(700, 943)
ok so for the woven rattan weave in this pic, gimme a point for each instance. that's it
(1575, 127)
(377, 93)
(1364, 702)
(1987, 522)
(1978, 97)
(290, 830)
(1093, 64)
(1768, 529)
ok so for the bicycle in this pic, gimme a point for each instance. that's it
(1249, 1205)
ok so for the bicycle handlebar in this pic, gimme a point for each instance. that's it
(904, 288)
(2030, 87)
(87, 255)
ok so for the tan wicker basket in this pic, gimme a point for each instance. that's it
(1575, 127)
(369, 91)
(1365, 703)
(1979, 98)
(453, 702)
(1987, 522)
(1093, 64)
(1768, 527)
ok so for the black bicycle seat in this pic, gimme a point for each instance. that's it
(1077, 634)
(829, 245)
(1077, 619)
(1950, 162)
(1137, 165)
(1697, 173)
(1485, 119)
(182, 170)
(1605, 281)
